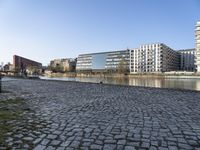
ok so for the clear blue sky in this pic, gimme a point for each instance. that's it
(46, 29)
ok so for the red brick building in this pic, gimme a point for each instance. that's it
(21, 63)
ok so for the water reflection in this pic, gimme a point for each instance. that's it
(192, 84)
(8, 79)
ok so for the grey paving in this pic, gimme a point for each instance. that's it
(73, 115)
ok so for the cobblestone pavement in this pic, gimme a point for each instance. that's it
(73, 115)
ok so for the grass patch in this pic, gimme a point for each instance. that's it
(7, 115)
(10, 110)
(3, 130)
(12, 101)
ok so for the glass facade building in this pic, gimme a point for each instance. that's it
(84, 62)
(105, 61)
(99, 61)
(118, 59)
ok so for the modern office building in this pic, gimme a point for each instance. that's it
(118, 60)
(20, 64)
(153, 58)
(67, 64)
(187, 59)
(84, 62)
(103, 62)
(156, 57)
(197, 53)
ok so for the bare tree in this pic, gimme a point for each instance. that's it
(122, 66)
(33, 70)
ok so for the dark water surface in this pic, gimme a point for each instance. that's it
(191, 84)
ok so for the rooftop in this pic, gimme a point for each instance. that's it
(189, 49)
(103, 52)
(26, 59)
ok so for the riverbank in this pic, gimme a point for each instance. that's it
(144, 81)
(173, 75)
(77, 115)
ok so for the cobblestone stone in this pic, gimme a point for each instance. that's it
(73, 115)
(96, 147)
(109, 146)
(39, 147)
(129, 148)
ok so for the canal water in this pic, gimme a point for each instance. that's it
(7, 79)
(191, 84)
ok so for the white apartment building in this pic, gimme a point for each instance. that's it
(197, 54)
(187, 58)
(153, 58)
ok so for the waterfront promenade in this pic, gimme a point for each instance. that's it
(73, 115)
